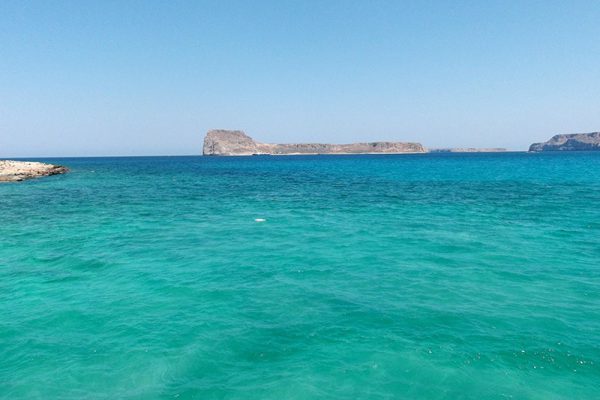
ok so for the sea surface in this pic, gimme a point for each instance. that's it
(432, 276)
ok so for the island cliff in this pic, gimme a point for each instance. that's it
(14, 171)
(237, 143)
(572, 142)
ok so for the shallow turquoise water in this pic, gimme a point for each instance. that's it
(374, 277)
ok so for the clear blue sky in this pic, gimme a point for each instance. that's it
(150, 77)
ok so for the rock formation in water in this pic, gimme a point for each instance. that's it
(237, 143)
(572, 142)
(14, 171)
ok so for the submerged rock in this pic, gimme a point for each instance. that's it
(571, 142)
(237, 143)
(14, 171)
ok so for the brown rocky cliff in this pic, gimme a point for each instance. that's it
(237, 143)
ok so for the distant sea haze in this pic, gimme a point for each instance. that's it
(421, 276)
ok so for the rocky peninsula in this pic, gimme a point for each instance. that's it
(14, 171)
(571, 142)
(237, 143)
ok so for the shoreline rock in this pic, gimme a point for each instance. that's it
(570, 142)
(16, 171)
(237, 143)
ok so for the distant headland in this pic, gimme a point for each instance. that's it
(221, 142)
(571, 142)
(237, 143)
(15, 171)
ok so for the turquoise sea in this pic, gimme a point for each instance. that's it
(434, 276)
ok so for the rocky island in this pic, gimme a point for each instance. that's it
(237, 143)
(571, 142)
(14, 171)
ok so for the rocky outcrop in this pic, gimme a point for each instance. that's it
(237, 143)
(228, 143)
(468, 150)
(572, 142)
(14, 171)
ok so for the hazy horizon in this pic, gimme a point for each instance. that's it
(150, 78)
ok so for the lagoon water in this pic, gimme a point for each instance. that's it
(434, 276)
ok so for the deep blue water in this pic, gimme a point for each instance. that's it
(433, 276)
